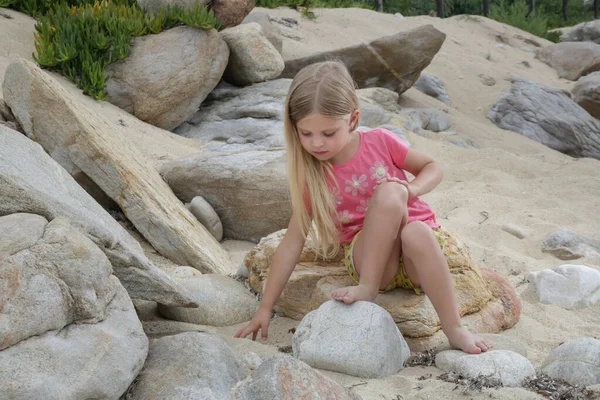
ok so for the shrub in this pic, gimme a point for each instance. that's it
(515, 15)
(80, 41)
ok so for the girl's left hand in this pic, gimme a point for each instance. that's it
(412, 192)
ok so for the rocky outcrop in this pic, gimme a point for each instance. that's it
(570, 59)
(586, 93)
(393, 62)
(167, 76)
(78, 136)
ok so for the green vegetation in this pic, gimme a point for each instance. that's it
(81, 39)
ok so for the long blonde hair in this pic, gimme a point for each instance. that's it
(328, 89)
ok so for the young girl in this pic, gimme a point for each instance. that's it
(350, 188)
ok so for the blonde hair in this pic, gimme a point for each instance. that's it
(325, 88)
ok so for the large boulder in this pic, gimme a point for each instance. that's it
(32, 182)
(286, 378)
(486, 302)
(569, 286)
(253, 58)
(586, 93)
(235, 184)
(230, 13)
(235, 118)
(155, 5)
(434, 87)
(270, 31)
(567, 245)
(167, 76)
(576, 361)
(571, 59)
(393, 62)
(72, 329)
(585, 32)
(191, 365)
(82, 138)
(360, 339)
(548, 116)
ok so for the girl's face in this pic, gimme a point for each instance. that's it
(325, 137)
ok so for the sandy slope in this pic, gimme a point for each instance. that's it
(511, 178)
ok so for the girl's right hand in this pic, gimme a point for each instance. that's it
(260, 321)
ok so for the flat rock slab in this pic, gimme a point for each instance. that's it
(569, 286)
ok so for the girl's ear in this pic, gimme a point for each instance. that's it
(354, 119)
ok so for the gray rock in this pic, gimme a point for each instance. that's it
(115, 165)
(425, 118)
(393, 62)
(515, 230)
(360, 339)
(19, 232)
(548, 116)
(81, 361)
(434, 87)
(464, 143)
(285, 378)
(385, 98)
(567, 245)
(398, 132)
(5, 112)
(61, 279)
(372, 115)
(235, 185)
(584, 32)
(569, 286)
(182, 272)
(576, 361)
(32, 182)
(269, 30)
(207, 216)
(487, 80)
(586, 93)
(191, 365)
(223, 301)
(252, 57)
(167, 76)
(571, 60)
(250, 361)
(506, 366)
(235, 118)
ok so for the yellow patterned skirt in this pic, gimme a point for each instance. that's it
(401, 279)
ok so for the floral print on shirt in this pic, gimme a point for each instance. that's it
(379, 170)
(356, 185)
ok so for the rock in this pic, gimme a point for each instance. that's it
(116, 166)
(230, 13)
(360, 340)
(584, 32)
(548, 116)
(207, 216)
(398, 132)
(285, 378)
(506, 366)
(382, 97)
(425, 118)
(569, 286)
(434, 87)
(586, 93)
(81, 361)
(223, 301)
(182, 272)
(155, 5)
(372, 115)
(515, 230)
(32, 182)
(487, 80)
(5, 113)
(269, 30)
(235, 118)
(167, 76)
(567, 245)
(571, 60)
(393, 62)
(576, 361)
(235, 184)
(60, 279)
(19, 232)
(464, 143)
(253, 58)
(250, 361)
(486, 301)
(190, 365)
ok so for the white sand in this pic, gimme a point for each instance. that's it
(511, 178)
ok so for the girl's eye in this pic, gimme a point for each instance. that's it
(305, 134)
(329, 134)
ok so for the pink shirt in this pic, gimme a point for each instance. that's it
(380, 154)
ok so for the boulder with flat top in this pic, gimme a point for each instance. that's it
(487, 302)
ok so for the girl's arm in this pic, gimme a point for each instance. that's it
(428, 173)
(282, 264)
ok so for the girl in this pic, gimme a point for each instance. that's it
(350, 188)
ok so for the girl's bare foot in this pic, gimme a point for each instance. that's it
(351, 294)
(461, 338)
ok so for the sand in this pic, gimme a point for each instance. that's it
(509, 178)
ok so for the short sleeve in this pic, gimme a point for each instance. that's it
(397, 148)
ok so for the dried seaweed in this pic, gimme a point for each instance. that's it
(425, 359)
(556, 389)
(478, 383)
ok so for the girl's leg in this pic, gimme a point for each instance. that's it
(426, 266)
(377, 248)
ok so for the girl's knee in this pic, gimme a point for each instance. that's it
(417, 236)
(390, 196)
